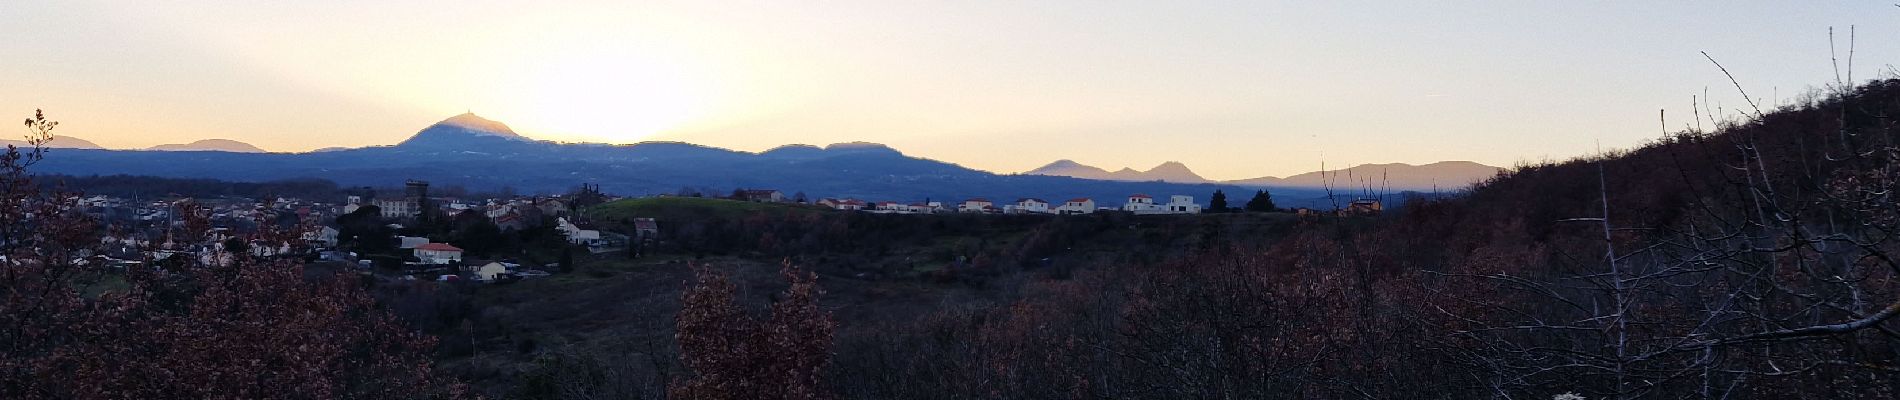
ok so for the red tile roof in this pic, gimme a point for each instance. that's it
(1079, 200)
(1139, 196)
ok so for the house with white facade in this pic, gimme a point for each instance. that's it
(397, 208)
(1179, 204)
(927, 207)
(438, 253)
(1080, 205)
(1032, 205)
(325, 237)
(842, 204)
(491, 271)
(892, 207)
(575, 234)
(850, 205)
(976, 205)
(1141, 204)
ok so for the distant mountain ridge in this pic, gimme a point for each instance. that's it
(477, 153)
(58, 142)
(226, 145)
(1171, 171)
(474, 152)
(1446, 175)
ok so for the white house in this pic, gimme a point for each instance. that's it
(397, 208)
(575, 234)
(850, 205)
(438, 253)
(927, 207)
(322, 237)
(894, 207)
(976, 205)
(841, 204)
(1032, 205)
(1179, 204)
(490, 271)
(1081, 205)
(1141, 204)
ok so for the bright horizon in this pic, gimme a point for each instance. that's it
(1234, 91)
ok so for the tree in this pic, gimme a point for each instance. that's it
(733, 356)
(364, 231)
(567, 259)
(1261, 202)
(1219, 203)
(800, 198)
(477, 234)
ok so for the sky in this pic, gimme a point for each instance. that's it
(1233, 89)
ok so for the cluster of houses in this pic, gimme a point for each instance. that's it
(507, 213)
(142, 221)
(219, 210)
(1140, 204)
(450, 265)
(522, 212)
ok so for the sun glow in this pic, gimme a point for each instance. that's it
(616, 97)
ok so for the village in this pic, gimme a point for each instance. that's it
(408, 236)
(1139, 204)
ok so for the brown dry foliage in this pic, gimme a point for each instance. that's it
(734, 356)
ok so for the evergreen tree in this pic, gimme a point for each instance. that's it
(1262, 202)
(567, 259)
(1219, 203)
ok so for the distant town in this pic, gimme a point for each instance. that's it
(403, 220)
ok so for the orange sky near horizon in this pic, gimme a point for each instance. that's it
(1234, 89)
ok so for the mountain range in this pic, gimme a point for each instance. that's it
(480, 154)
(1446, 175)
(210, 145)
(69, 142)
(58, 142)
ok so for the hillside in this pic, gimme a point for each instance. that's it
(1761, 247)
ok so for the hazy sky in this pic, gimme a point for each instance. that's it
(1234, 89)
